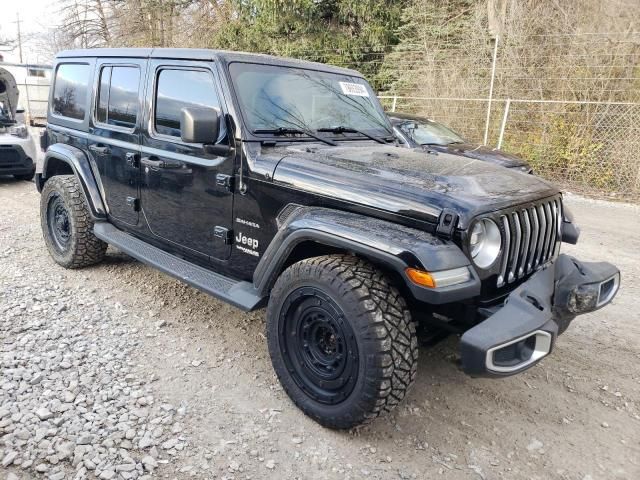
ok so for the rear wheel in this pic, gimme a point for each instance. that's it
(341, 340)
(66, 224)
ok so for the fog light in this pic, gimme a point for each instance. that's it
(588, 297)
(583, 298)
(519, 353)
(608, 290)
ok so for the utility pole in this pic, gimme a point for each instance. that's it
(19, 36)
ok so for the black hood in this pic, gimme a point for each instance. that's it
(413, 183)
(479, 152)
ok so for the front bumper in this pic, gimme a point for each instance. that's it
(524, 329)
(14, 160)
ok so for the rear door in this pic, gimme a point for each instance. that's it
(114, 135)
(185, 198)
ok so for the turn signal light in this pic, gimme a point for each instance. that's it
(420, 277)
(441, 279)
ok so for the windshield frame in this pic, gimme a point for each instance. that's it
(246, 130)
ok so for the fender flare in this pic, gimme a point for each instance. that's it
(395, 246)
(79, 163)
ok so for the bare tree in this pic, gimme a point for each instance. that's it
(88, 22)
(53, 40)
(6, 44)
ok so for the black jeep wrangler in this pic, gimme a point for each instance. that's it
(274, 182)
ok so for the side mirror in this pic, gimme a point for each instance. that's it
(20, 110)
(199, 125)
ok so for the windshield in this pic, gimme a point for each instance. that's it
(427, 132)
(273, 97)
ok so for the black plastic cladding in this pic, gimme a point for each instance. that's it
(390, 244)
(77, 160)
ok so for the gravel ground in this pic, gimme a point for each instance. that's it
(118, 371)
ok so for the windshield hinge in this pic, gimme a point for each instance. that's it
(225, 181)
(447, 223)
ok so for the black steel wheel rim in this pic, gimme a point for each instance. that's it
(318, 345)
(58, 223)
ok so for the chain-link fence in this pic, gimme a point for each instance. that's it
(591, 147)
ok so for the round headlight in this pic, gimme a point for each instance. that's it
(485, 242)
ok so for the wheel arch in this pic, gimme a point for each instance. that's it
(313, 248)
(61, 159)
(317, 246)
(315, 231)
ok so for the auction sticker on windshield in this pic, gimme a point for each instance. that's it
(356, 89)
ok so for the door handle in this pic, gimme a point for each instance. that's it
(101, 149)
(155, 162)
(131, 159)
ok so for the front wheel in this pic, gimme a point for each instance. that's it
(67, 226)
(341, 340)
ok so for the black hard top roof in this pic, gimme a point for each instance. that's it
(203, 54)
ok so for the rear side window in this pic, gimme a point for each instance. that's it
(177, 89)
(118, 96)
(70, 91)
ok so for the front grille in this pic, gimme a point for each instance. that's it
(9, 157)
(531, 238)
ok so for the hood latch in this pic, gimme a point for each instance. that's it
(447, 223)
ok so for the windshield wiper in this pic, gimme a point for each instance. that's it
(295, 131)
(343, 129)
(440, 144)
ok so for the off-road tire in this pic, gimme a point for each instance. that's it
(83, 248)
(380, 321)
(27, 177)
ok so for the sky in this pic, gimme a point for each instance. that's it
(35, 16)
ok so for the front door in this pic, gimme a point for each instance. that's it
(185, 199)
(114, 135)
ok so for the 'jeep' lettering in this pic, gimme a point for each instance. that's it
(250, 242)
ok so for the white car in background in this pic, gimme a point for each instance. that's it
(18, 151)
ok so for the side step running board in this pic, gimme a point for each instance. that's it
(238, 293)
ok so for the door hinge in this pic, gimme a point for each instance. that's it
(224, 234)
(447, 223)
(134, 203)
(225, 181)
